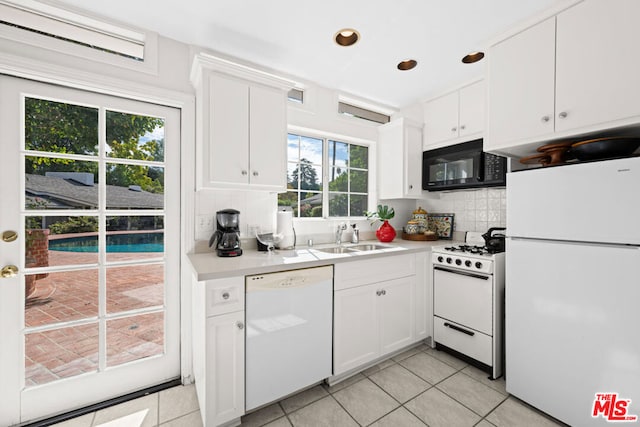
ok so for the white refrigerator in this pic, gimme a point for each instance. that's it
(572, 298)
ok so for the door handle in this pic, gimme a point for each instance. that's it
(9, 271)
(9, 236)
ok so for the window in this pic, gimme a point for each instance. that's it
(326, 178)
(362, 113)
(296, 95)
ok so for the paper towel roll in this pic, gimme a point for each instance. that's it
(284, 230)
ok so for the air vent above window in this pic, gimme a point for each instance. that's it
(296, 95)
(65, 25)
(362, 113)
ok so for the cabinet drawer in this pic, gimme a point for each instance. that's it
(357, 273)
(224, 295)
(477, 346)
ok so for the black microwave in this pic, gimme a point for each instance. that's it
(462, 166)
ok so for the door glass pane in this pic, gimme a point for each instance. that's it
(134, 237)
(134, 287)
(135, 337)
(59, 127)
(60, 240)
(60, 184)
(135, 187)
(137, 137)
(60, 353)
(60, 297)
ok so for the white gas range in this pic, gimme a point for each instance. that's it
(468, 301)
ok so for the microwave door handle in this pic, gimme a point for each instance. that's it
(480, 169)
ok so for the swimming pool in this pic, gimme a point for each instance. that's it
(135, 242)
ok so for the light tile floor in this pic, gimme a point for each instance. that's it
(419, 387)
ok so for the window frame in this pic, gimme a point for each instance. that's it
(326, 137)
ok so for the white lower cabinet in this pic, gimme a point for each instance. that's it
(219, 349)
(374, 318)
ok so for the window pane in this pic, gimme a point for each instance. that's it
(131, 136)
(290, 198)
(134, 237)
(311, 150)
(359, 157)
(60, 184)
(61, 353)
(310, 176)
(60, 297)
(310, 204)
(338, 153)
(135, 187)
(293, 147)
(358, 205)
(134, 287)
(61, 240)
(134, 338)
(338, 204)
(60, 128)
(359, 181)
(338, 179)
(292, 181)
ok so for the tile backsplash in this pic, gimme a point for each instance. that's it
(475, 210)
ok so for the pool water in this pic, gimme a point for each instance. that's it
(137, 242)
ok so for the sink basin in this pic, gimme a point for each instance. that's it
(369, 247)
(336, 250)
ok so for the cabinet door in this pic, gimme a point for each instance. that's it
(228, 131)
(521, 87)
(397, 313)
(268, 139)
(472, 101)
(225, 368)
(412, 161)
(597, 63)
(441, 119)
(355, 328)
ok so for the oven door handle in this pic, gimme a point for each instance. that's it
(463, 273)
(459, 329)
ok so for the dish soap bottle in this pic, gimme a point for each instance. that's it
(355, 236)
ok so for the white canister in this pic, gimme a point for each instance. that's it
(285, 231)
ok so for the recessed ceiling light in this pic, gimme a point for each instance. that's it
(347, 37)
(407, 64)
(473, 57)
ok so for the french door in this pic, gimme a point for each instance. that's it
(89, 220)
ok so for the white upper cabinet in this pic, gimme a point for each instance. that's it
(455, 117)
(241, 130)
(400, 160)
(571, 75)
(521, 91)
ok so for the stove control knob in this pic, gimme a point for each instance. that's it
(440, 259)
(449, 260)
(458, 261)
(467, 263)
(478, 264)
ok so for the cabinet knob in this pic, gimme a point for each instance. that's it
(453, 129)
(462, 127)
(244, 173)
(378, 292)
(410, 187)
(225, 295)
(384, 292)
(563, 115)
(545, 119)
(255, 173)
(240, 325)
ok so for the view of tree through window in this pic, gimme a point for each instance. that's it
(345, 166)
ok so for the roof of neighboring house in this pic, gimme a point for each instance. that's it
(61, 193)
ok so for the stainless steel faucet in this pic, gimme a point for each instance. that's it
(341, 227)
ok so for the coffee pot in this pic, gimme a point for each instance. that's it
(226, 238)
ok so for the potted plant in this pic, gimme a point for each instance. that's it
(385, 233)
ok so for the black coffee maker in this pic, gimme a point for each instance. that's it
(226, 238)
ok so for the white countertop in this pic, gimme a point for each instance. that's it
(208, 265)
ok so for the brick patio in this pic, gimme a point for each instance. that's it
(60, 297)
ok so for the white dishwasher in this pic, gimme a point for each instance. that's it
(289, 318)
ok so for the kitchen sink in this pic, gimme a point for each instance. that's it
(368, 247)
(336, 250)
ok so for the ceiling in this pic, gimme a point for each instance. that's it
(296, 37)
